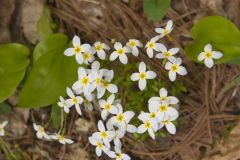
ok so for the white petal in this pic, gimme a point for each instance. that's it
(135, 77)
(112, 88)
(151, 133)
(101, 55)
(128, 115)
(69, 52)
(105, 46)
(85, 47)
(79, 58)
(131, 128)
(98, 152)
(160, 56)
(101, 126)
(163, 92)
(182, 71)
(168, 65)
(172, 75)
(69, 141)
(111, 154)
(141, 129)
(150, 52)
(173, 100)
(95, 65)
(142, 67)
(36, 127)
(173, 51)
(208, 47)
(76, 41)
(113, 110)
(169, 25)
(209, 62)
(154, 39)
(159, 30)
(113, 56)
(117, 45)
(111, 98)
(172, 112)
(104, 114)
(217, 55)
(201, 56)
(135, 51)
(159, 47)
(78, 109)
(142, 84)
(92, 140)
(123, 58)
(70, 93)
(81, 72)
(125, 157)
(171, 128)
(151, 75)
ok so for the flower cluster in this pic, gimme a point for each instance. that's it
(93, 82)
(2, 126)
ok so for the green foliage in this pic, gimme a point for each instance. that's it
(13, 63)
(50, 75)
(218, 31)
(156, 9)
(56, 116)
(5, 109)
(45, 25)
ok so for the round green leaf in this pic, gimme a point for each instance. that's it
(14, 57)
(49, 77)
(156, 9)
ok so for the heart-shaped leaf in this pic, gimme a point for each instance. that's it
(50, 75)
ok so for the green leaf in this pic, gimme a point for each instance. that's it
(56, 116)
(5, 109)
(45, 24)
(48, 45)
(156, 9)
(14, 57)
(218, 31)
(13, 62)
(50, 76)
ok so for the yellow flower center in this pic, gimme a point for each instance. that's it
(208, 54)
(166, 122)
(120, 51)
(142, 75)
(151, 45)
(167, 54)
(41, 129)
(86, 56)
(147, 124)
(152, 115)
(61, 138)
(99, 47)
(77, 49)
(97, 80)
(132, 43)
(107, 106)
(163, 108)
(104, 134)
(75, 100)
(174, 68)
(99, 145)
(163, 98)
(85, 80)
(120, 117)
(119, 155)
(105, 84)
(165, 31)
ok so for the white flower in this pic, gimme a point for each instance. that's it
(208, 55)
(118, 135)
(164, 109)
(108, 106)
(62, 139)
(99, 146)
(167, 54)
(163, 97)
(77, 49)
(133, 44)
(106, 85)
(165, 31)
(152, 45)
(84, 81)
(64, 104)
(175, 68)
(121, 120)
(149, 125)
(99, 48)
(74, 100)
(88, 56)
(87, 102)
(40, 132)
(2, 125)
(167, 122)
(120, 155)
(106, 136)
(142, 76)
(120, 52)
